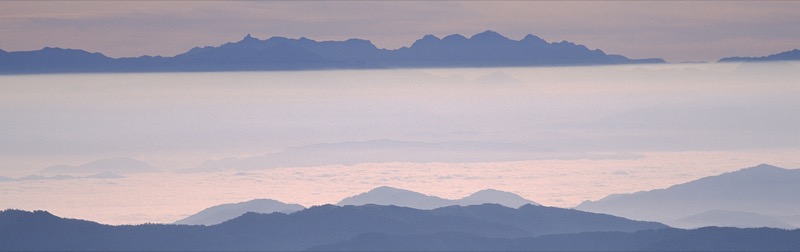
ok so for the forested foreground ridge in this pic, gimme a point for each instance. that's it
(375, 227)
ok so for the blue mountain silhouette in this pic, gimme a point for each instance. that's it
(386, 195)
(221, 213)
(783, 56)
(703, 239)
(379, 196)
(764, 190)
(486, 49)
(724, 218)
(315, 226)
(372, 227)
(55, 60)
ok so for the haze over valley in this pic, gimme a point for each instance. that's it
(399, 126)
(315, 137)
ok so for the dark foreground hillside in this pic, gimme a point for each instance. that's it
(373, 227)
(703, 239)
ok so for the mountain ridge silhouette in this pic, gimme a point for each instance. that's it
(790, 55)
(224, 212)
(373, 227)
(386, 195)
(764, 189)
(485, 49)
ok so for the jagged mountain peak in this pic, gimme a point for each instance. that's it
(485, 49)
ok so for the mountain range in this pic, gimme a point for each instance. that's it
(110, 165)
(783, 56)
(376, 151)
(486, 49)
(763, 195)
(221, 213)
(389, 228)
(725, 218)
(109, 168)
(389, 150)
(312, 227)
(703, 239)
(760, 196)
(102, 175)
(384, 195)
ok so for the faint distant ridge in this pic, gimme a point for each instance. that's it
(375, 151)
(102, 166)
(221, 213)
(783, 56)
(385, 195)
(724, 218)
(760, 196)
(486, 49)
(110, 168)
(102, 175)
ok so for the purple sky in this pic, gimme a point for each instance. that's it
(674, 30)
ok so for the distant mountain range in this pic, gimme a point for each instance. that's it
(486, 49)
(398, 197)
(374, 151)
(221, 213)
(110, 168)
(102, 175)
(759, 196)
(784, 56)
(389, 228)
(388, 150)
(110, 165)
(724, 218)
(384, 195)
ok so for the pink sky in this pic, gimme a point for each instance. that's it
(674, 30)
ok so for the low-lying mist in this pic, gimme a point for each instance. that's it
(411, 128)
